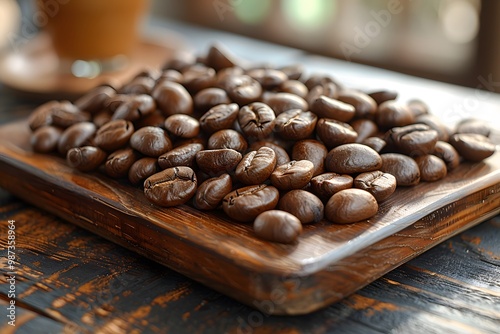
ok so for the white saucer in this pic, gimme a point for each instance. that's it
(35, 68)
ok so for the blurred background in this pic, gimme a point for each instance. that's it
(454, 41)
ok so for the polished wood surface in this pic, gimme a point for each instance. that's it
(328, 262)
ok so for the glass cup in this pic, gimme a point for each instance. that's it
(92, 36)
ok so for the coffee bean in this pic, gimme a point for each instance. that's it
(434, 123)
(219, 58)
(95, 99)
(44, 139)
(210, 193)
(139, 85)
(319, 80)
(472, 147)
(171, 187)
(244, 204)
(209, 98)
(404, 168)
(412, 140)
(350, 206)
(334, 133)
(391, 114)
(86, 158)
(256, 120)
(365, 106)
(142, 169)
(295, 124)
(114, 134)
(448, 154)
(326, 107)
(172, 98)
(381, 96)
(242, 89)
(119, 162)
(198, 77)
(418, 107)
(183, 155)
(352, 158)
(381, 185)
(431, 168)
(179, 61)
(170, 75)
(216, 162)
(327, 184)
(182, 126)
(293, 71)
(101, 117)
(135, 107)
(303, 205)
(328, 89)
(293, 175)
(76, 135)
(277, 226)
(227, 138)
(151, 141)
(156, 118)
(256, 166)
(282, 156)
(268, 78)
(365, 128)
(42, 115)
(471, 125)
(312, 150)
(294, 87)
(115, 101)
(375, 143)
(219, 117)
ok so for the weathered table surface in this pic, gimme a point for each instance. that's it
(69, 280)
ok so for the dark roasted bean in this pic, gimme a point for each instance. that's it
(256, 120)
(365, 128)
(281, 102)
(44, 139)
(295, 124)
(96, 99)
(404, 168)
(473, 147)
(327, 184)
(76, 135)
(326, 107)
(365, 106)
(381, 185)
(277, 226)
(294, 87)
(210, 193)
(245, 204)
(183, 155)
(312, 150)
(434, 123)
(391, 114)
(151, 141)
(303, 205)
(119, 162)
(412, 140)
(219, 117)
(431, 167)
(375, 143)
(135, 107)
(267, 77)
(350, 206)
(293, 175)
(227, 138)
(282, 156)
(171, 187)
(448, 154)
(172, 98)
(86, 158)
(352, 158)
(256, 166)
(476, 126)
(334, 133)
(216, 162)
(114, 135)
(182, 126)
(210, 97)
(142, 169)
(381, 96)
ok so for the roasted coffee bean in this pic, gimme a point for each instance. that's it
(96, 99)
(431, 167)
(381, 96)
(434, 123)
(327, 89)
(352, 158)
(277, 226)
(219, 117)
(256, 120)
(114, 134)
(179, 61)
(86, 158)
(412, 140)
(219, 58)
(350, 206)
(375, 143)
(210, 97)
(156, 118)
(76, 135)
(365, 128)
(139, 85)
(135, 107)
(119, 162)
(471, 125)
(327, 184)
(227, 138)
(59, 113)
(334, 133)
(142, 169)
(294, 87)
(326, 107)
(44, 139)
(319, 80)
(183, 155)
(116, 100)
(303, 205)
(472, 147)
(293, 175)
(216, 162)
(256, 166)
(381, 185)
(268, 78)
(241, 89)
(210, 193)
(295, 124)
(404, 168)
(171, 187)
(312, 150)
(418, 107)
(391, 114)
(42, 115)
(101, 117)
(151, 141)
(282, 156)
(365, 106)
(448, 154)
(170, 75)
(292, 71)
(281, 102)
(182, 126)
(198, 77)
(148, 73)
(172, 98)
(244, 204)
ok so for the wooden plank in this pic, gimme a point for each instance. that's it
(323, 267)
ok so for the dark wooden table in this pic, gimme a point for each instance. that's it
(68, 280)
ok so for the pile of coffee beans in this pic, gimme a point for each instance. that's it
(266, 145)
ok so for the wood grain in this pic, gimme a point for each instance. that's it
(328, 263)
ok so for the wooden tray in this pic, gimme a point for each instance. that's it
(328, 262)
